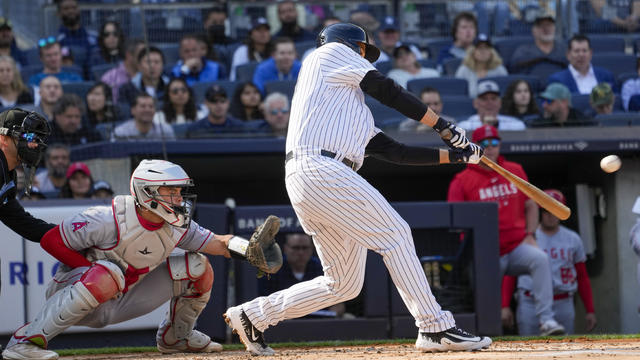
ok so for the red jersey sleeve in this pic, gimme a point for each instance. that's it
(584, 287)
(52, 243)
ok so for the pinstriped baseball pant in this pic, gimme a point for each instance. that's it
(345, 215)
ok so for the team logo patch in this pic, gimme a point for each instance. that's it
(79, 225)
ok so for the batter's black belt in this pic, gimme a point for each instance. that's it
(328, 154)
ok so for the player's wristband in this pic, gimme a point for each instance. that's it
(238, 247)
(432, 119)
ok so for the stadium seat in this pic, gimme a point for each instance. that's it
(171, 52)
(580, 102)
(618, 119)
(199, 89)
(282, 86)
(245, 72)
(384, 116)
(224, 53)
(303, 46)
(543, 71)
(180, 130)
(460, 107)
(507, 46)
(446, 85)
(434, 47)
(106, 129)
(450, 66)
(428, 63)
(33, 56)
(622, 78)
(636, 46)
(78, 88)
(604, 44)
(98, 70)
(27, 71)
(617, 63)
(505, 81)
(384, 66)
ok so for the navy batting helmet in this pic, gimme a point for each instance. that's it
(351, 35)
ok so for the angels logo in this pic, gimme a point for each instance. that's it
(79, 225)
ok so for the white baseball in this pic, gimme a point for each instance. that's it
(610, 163)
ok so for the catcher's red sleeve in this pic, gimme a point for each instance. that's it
(584, 287)
(52, 243)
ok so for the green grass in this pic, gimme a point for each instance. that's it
(289, 345)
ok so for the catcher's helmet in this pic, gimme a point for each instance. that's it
(352, 36)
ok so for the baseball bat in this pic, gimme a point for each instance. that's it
(540, 197)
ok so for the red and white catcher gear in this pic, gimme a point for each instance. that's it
(98, 284)
(193, 279)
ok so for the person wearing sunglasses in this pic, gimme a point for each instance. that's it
(111, 41)
(517, 223)
(178, 104)
(50, 52)
(276, 114)
(218, 120)
(557, 109)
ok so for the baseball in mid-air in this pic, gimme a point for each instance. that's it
(610, 163)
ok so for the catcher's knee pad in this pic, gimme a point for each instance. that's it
(194, 267)
(103, 280)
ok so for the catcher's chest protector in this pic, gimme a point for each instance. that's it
(137, 246)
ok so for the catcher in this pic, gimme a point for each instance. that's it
(117, 265)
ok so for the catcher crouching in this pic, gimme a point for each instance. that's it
(117, 265)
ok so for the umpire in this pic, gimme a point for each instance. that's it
(22, 141)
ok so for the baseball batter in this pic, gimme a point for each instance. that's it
(568, 273)
(330, 132)
(117, 265)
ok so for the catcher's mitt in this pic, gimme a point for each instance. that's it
(262, 251)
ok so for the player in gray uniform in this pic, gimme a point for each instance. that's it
(568, 272)
(634, 238)
(330, 132)
(117, 265)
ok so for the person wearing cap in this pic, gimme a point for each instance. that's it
(581, 76)
(215, 26)
(8, 45)
(481, 61)
(406, 67)
(545, 51)
(463, 31)
(67, 126)
(142, 126)
(218, 120)
(257, 47)
(51, 58)
(193, 65)
(488, 104)
(288, 16)
(56, 160)
(149, 79)
(282, 65)
(602, 99)
(79, 182)
(517, 222)
(389, 36)
(101, 190)
(568, 273)
(557, 110)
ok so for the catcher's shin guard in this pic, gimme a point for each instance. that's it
(193, 279)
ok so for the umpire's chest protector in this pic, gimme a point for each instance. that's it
(136, 245)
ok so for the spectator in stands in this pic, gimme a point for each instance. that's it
(557, 110)
(257, 47)
(71, 32)
(218, 120)
(50, 91)
(631, 87)
(517, 222)
(407, 67)
(288, 16)
(481, 61)
(57, 160)
(215, 23)
(329, 20)
(142, 126)
(67, 127)
(178, 104)
(79, 182)
(8, 46)
(488, 104)
(126, 70)
(247, 102)
(282, 65)
(193, 65)
(110, 49)
(601, 99)
(101, 190)
(12, 89)
(51, 58)
(362, 16)
(581, 76)
(276, 113)
(149, 79)
(298, 265)
(615, 16)
(100, 105)
(464, 31)
(545, 50)
(431, 97)
(389, 35)
(519, 101)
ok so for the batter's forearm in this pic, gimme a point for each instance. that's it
(387, 149)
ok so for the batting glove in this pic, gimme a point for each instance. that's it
(471, 154)
(452, 135)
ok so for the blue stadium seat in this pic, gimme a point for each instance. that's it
(245, 72)
(171, 52)
(384, 66)
(282, 86)
(225, 53)
(106, 129)
(504, 81)
(543, 71)
(32, 55)
(435, 46)
(384, 116)
(428, 63)
(446, 85)
(199, 89)
(78, 88)
(460, 107)
(580, 102)
(180, 130)
(604, 43)
(617, 63)
(618, 119)
(98, 70)
(507, 46)
(450, 66)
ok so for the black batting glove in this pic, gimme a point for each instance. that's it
(471, 154)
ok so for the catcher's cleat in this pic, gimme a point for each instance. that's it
(551, 327)
(250, 336)
(197, 342)
(453, 339)
(28, 351)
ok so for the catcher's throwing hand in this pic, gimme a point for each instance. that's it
(471, 154)
(261, 250)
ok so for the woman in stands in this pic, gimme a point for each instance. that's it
(12, 89)
(406, 67)
(100, 107)
(518, 100)
(247, 102)
(79, 182)
(178, 104)
(110, 49)
(481, 61)
(257, 47)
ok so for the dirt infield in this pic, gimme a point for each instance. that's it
(575, 349)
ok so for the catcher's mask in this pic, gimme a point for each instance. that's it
(351, 35)
(176, 207)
